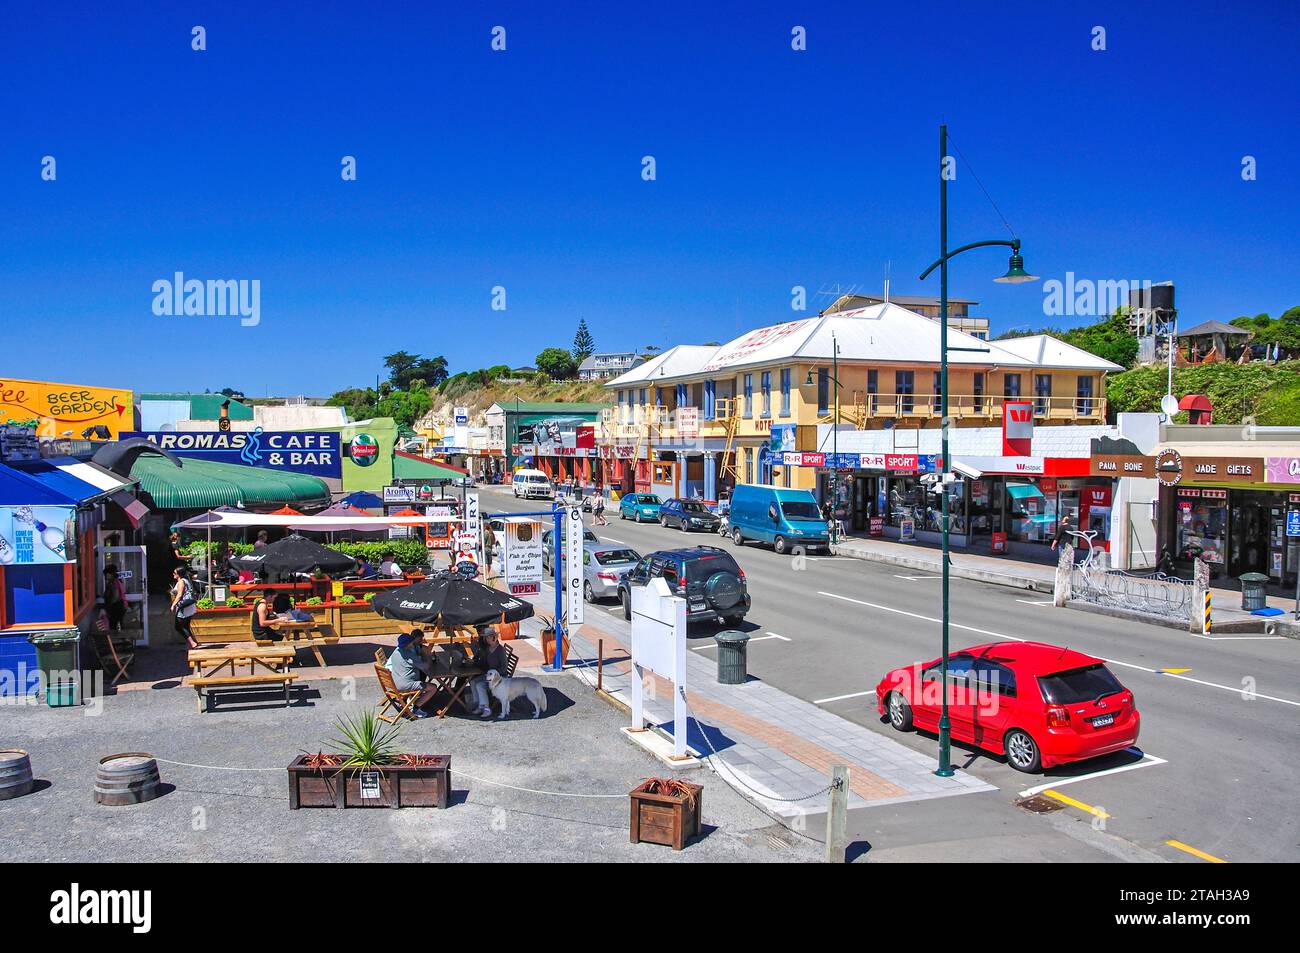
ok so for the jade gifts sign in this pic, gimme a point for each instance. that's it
(32, 535)
(300, 451)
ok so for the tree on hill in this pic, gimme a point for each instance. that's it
(584, 345)
(1283, 331)
(359, 402)
(1110, 339)
(557, 364)
(405, 367)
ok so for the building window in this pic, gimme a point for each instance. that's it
(785, 392)
(683, 396)
(710, 400)
(1084, 394)
(823, 392)
(977, 386)
(642, 401)
(749, 395)
(620, 397)
(938, 391)
(904, 387)
(873, 388)
(749, 465)
(1010, 385)
(767, 393)
(1042, 393)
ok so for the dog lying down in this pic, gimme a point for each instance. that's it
(506, 690)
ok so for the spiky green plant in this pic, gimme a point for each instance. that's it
(366, 741)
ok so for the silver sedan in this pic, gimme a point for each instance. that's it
(603, 565)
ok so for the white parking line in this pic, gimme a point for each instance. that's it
(757, 638)
(611, 539)
(1148, 761)
(1236, 690)
(1238, 638)
(914, 578)
(1035, 602)
(839, 698)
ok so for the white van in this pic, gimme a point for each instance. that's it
(533, 484)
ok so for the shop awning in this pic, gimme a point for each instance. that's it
(205, 484)
(1020, 491)
(409, 466)
(19, 489)
(60, 481)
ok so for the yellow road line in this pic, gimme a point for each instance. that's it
(1066, 799)
(1188, 848)
(1172, 671)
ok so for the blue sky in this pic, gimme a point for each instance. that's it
(522, 169)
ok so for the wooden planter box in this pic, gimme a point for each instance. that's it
(222, 625)
(667, 819)
(359, 619)
(399, 785)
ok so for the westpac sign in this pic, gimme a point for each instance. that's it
(1017, 428)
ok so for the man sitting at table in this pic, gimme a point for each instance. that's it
(411, 664)
(390, 568)
(489, 653)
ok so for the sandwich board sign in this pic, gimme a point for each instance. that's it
(572, 565)
(522, 557)
(659, 647)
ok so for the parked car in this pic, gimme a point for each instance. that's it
(603, 565)
(548, 544)
(1040, 705)
(642, 507)
(532, 484)
(781, 516)
(710, 580)
(687, 515)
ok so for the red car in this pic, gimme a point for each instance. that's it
(1040, 705)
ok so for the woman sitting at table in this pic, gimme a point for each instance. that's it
(264, 613)
(411, 665)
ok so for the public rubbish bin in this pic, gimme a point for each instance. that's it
(1252, 591)
(732, 647)
(58, 656)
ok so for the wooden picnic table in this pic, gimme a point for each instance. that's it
(208, 662)
(308, 632)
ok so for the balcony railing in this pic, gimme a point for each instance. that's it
(898, 406)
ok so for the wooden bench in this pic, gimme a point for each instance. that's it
(214, 682)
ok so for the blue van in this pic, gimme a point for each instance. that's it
(780, 515)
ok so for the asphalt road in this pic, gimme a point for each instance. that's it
(1219, 772)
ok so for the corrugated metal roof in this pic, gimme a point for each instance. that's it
(20, 489)
(205, 406)
(61, 482)
(204, 484)
(407, 466)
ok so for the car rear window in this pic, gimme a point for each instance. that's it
(800, 510)
(701, 568)
(1079, 684)
(693, 507)
(609, 556)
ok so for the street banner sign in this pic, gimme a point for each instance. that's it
(688, 422)
(1017, 428)
(469, 529)
(522, 557)
(573, 564)
(1293, 522)
(314, 452)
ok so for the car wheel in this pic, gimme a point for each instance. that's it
(900, 712)
(587, 594)
(663, 521)
(683, 527)
(736, 537)
(779, 545)
(622, 514)
(624, 597)
(733, 620)
(1022, 751)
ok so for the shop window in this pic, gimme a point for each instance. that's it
(1202, 527)
(749, 465)
(34, 594)
(1031, 516)
(785, 392)
(1010, 385)
(766, 385)
(1042, 393)
(904, 387)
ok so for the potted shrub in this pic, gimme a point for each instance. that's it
(366, 769)
(548, 641)
(665, 811)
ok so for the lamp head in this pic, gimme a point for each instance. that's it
(1016, 273)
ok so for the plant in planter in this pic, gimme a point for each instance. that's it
(205, 603)
(346, 600)
(365, 769)
(368, 596)
(548, 640)
(665, 811)
(234, 602)
(313, 601)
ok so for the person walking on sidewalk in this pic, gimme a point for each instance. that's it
(1064, 533)
(598, 510)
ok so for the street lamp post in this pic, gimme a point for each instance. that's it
(835, 431)
(1015, 275)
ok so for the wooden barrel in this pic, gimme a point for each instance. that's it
(15, 773)
(126, 779)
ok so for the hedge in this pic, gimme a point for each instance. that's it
(407, 552)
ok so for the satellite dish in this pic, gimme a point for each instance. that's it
(1169, 405)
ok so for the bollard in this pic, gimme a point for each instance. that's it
(837, 844)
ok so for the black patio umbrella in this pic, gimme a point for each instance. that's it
(294, 554)
(452, 601)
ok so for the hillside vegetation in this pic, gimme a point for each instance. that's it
(1268, 392)
(479, 397)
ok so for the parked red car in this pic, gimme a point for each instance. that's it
(1040, 705)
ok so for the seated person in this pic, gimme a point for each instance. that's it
(388, 567)
(263, 613)
(281, 604)
(411, 664)
(364, 569)
(489, 653)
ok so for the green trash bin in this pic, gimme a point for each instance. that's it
(732, 650)
(58, 654)
(1252, 591)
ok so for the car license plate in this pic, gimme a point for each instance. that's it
(697, 607)
(1101, 721)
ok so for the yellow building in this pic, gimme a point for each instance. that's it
(697, 419)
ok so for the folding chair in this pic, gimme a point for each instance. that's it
(115, 653)
(403, 702)
(380, 657)
(512, 662)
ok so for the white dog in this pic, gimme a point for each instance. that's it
(506, 690)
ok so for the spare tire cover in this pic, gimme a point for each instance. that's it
(723, 589)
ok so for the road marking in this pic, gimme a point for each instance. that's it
(1148, 761)
(1066, 799)
(837, 698)
(611, 539)
(1033, 602)
(1238, 638)
(914, 578)
(781, 637)
(1172, 671)
(1015, 638)
(757, 638)
(1188, 848)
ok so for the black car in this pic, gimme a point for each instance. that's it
(688, 515)
(707, 577)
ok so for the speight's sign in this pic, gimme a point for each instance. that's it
(300, 451)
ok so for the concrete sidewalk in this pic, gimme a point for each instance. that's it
(999, 570)
(776, 748)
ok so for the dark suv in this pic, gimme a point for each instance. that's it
(707, 577)
(687, 515)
